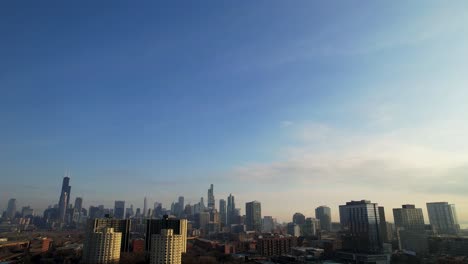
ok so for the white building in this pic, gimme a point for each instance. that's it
(102, 247)
(166, 248)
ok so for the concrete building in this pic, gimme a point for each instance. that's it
(102, 246)
(231, 210)
(323, 213)
(360, 222)
(253, 216)
(443, 218)
(178, 226)
(410, 227)
(270, 246)
(166, 247)
(122, 226)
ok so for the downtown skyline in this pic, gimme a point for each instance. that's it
(295, 106)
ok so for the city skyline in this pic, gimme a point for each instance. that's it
(295, 106)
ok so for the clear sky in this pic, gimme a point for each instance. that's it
(292, 103)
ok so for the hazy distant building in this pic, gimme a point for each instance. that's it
(122, 226)
(293, 229)
(443, 218)
(102, 246)
(310, 227)
(298, 218)
(64, 199)
(323, 213)
(360, 222)
(27, 211)
(231, 211)
(11, 209)
(222, 211)
(154, 226)
(145, 207)
(268, 224)
(204, 220)
(166, 247)
(78, 204)
(253, 216)
(410, 227)
(211, 198)
(119, 209)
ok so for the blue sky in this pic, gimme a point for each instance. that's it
(260, 98)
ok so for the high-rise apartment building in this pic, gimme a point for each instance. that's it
(443, 218)
(253, 216)
(166, 247)
(119, 209)
(323, 213)
(211, 198)
(102, 246)
(222, 211)
(11, 209)
(360, 222)
(383, 225)
(122, 226)
(410, 228)
(293, 229)
(64, 200)
(154, 226)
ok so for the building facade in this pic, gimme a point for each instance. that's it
(360, 223)
(178, 227)
(323, 213)
(166, 247)
(122, 226)
(102, 246)
(253, 216)
(443, 218)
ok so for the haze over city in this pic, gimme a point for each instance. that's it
(294, 104)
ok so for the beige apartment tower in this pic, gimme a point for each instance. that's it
(102, 247)
(166, 247)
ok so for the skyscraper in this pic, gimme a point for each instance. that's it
(253, 216)
(211, 198)
(268, 224)
(323, 213)
(222, 211)
(102, 246)
(410, 227)
(360, 222)
(443, 218)
(119, 209)
(11, 209)
(231, 210)
(180, 206)
(119, 225)
(383, 225)
(154, 226)
(145, 207)
(166, 247)
(64, 200)
(78, 204)
(298, 218)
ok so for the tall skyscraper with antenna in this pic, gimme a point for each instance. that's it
(64, 199)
